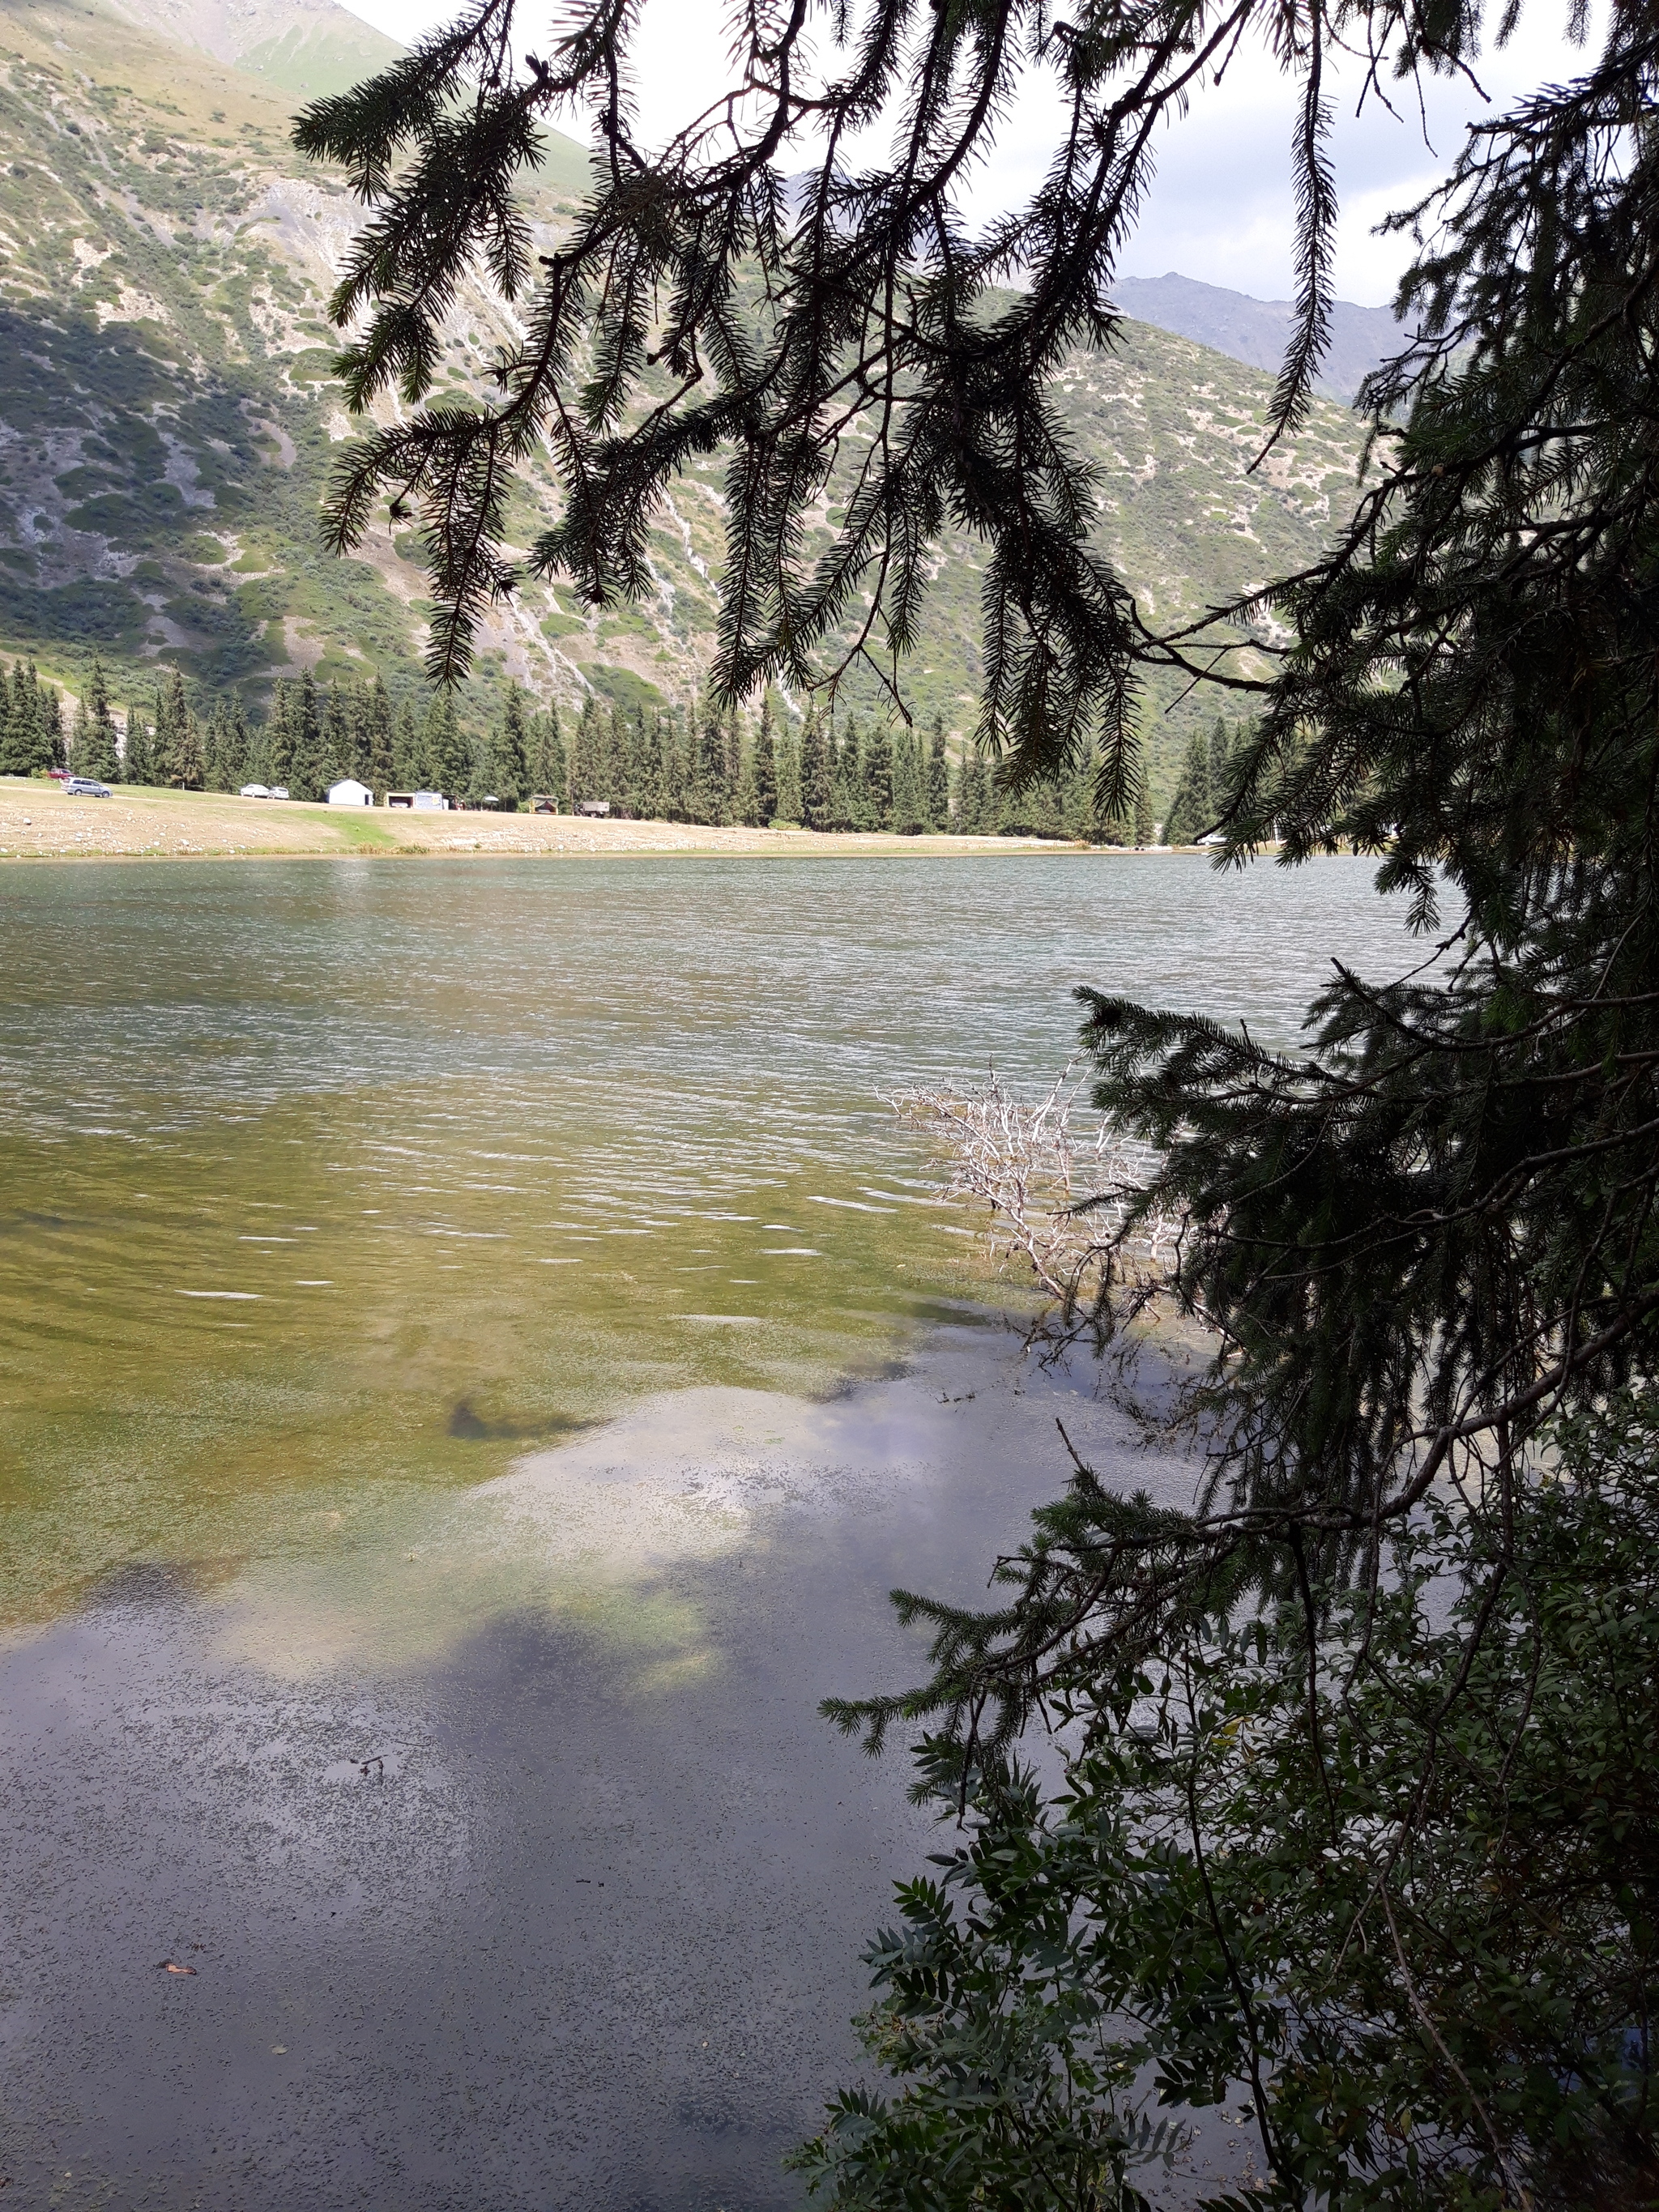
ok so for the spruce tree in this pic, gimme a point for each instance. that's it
(683, 793)
(279, 736)
(909, 786)
(816, 771)
(189, 760)
(852, 808)
(939, 778)
(585, 754)
(378, 744)
(765, 765)
(356, 716)
(624, 778)
(745, 799)
(732, 761)
(337, 747)
(408, 751)
(18, 724)
(709, 800)
(1146, 826)
(448, 756)
(646, 788)
(789, 805)
(95, 750)
(548, 772)
(973, 795)
(510, 749)
(1191, 812)
(51, 751)
(877, 777)
(7, 755)
(161, 717)
(1219, 764)
(138, 755)
(239, 746)
(215, 747)
(305, 771)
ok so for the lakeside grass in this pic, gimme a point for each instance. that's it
(38, 821)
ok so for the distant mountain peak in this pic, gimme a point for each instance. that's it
(309, 47)
(1256, 330)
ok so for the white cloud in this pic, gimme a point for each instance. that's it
(1221, 208)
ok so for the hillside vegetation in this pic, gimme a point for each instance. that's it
(167, 416)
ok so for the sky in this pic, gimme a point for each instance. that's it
(1221, 206)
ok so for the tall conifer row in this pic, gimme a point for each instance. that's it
(35, 722)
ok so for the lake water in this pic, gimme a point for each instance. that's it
(477, 1348)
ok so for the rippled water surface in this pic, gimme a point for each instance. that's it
(485, 1317)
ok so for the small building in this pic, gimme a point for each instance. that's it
(542, 802)
(597, 807)
(349, 792)
(429, 802)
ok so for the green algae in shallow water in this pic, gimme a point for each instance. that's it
(329, 1192)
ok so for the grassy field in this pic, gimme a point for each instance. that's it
(39, 822)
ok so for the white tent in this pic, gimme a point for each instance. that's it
(349, 792)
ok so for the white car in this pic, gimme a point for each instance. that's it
(254, 791)
(87, 787)
(277, 790)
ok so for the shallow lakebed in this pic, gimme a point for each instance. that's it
(478, 1349)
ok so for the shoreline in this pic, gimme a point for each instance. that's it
(37, 822)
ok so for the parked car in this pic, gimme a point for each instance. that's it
(254, 791)
(87, 787)
(58, 774)
(277, 790)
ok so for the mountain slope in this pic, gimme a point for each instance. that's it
(1256, 331)
(308, 48)
(167, 418)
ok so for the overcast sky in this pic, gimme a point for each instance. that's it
(1221, 207)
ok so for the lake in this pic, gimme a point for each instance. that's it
(478, 1347)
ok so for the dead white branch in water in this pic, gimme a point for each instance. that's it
(1060, 1190)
